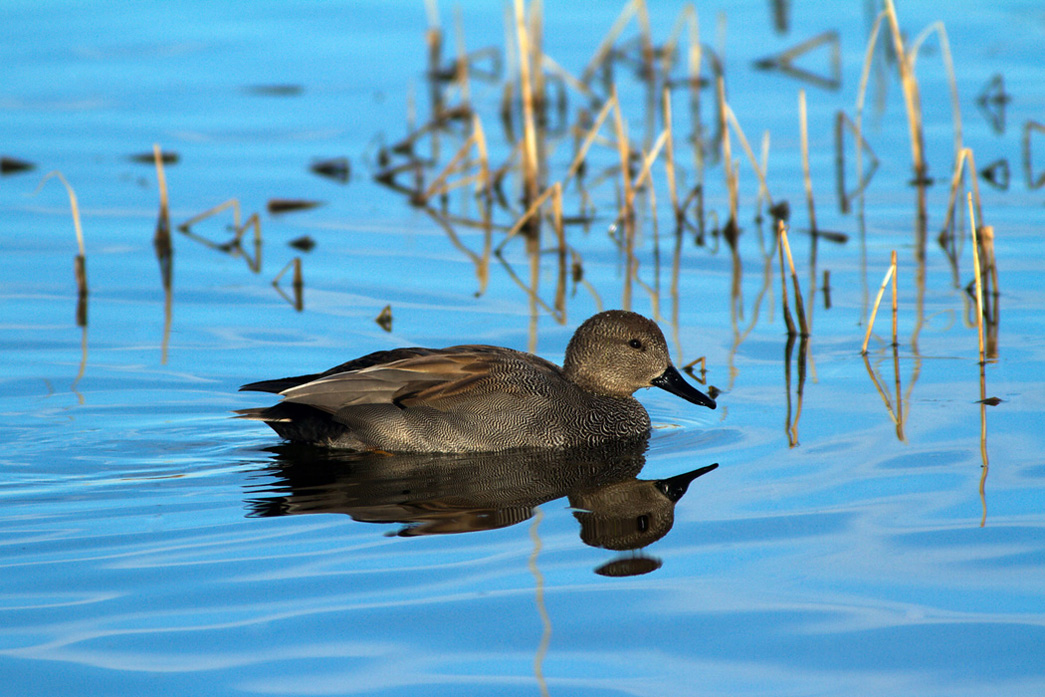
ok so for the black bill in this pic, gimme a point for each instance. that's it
(674, 383)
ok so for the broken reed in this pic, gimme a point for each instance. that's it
(80, 261)
(804, 130)
(298, 283)
(529, 158)
(890, 274)
(912, 99)
(979, 279)
(785, 249)
(162, 238)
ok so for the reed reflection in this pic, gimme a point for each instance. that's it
(426, 494)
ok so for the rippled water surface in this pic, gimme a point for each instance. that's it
(850, 540)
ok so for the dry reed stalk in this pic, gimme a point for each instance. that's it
(896, 378)
(608, 40)
(703, 368)
(804, 129)
(865, 73)
(687, 15)
(799, 304)
(646, 37)
(763, 187)
(727, 152)
(231, 203)
(912, 99)
(945, 50)
(785, 61)
(251, 222)
(525, 217)
(80, 261)
(161, 179)
(481, 261)
(647, 162)
(881, 390)
(763, 171)
(874, 310)
(440, 186)
(964, 155)
(298, 282)
(162, 239)
(384, 318)
(461, 69)
(669, 155)
(791, 331)
(895, 274)
(593, 132)
(987, 243)
(560, 233)
(484, 155)
(566, 76)
(535, 34)
(623, 150)
(1029, 128)
(529, 159)
(985, 466)
(844, 197)
(979, 279)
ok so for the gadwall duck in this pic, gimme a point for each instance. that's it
(482, 398)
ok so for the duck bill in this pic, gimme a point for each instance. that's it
(674, 383)
(675, 487)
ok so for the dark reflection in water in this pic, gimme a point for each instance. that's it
(434, 494)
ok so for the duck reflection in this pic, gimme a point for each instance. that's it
(435, 494)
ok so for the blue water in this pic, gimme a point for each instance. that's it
(151, 544)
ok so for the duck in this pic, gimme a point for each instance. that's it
(478, 398)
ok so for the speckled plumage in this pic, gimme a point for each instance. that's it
(482, 398)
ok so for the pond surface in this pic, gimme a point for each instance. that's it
(871, 527)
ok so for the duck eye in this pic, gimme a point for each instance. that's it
(635, 344)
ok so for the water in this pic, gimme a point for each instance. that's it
(153, 545)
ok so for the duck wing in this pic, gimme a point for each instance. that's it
(436, 378)
(278, 385)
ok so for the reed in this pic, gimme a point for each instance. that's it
(912, 99)
(162, 238)
(529, 153)
(690, 368)
(608, 40)
(80, 261)
(788, 320)
(253, 222)
(669, 155)
(799, 304)
(732, 183)
(589, 138)
(231, 203)
(948, 62)
(804, 132)
(895, 274)
(964, 163)
(297, 283)
(525, 218)
(877, 302)
(440, 185)
(842, 122)
(384, 318)
(978, 278)
(785, 61)
(1029, 129)
(760, 170)
(561, 250)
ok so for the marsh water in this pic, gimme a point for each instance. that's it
(875, 525)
